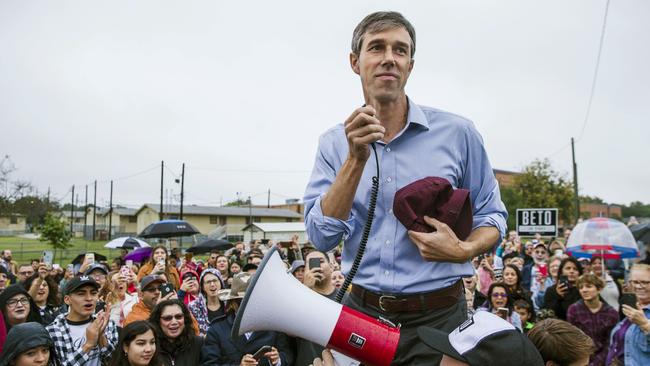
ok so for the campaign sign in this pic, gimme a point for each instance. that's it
(531, 221)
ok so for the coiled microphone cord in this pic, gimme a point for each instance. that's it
(366, 231)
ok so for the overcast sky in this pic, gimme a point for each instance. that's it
(241, 90)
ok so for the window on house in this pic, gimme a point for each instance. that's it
(13, 220)
(214, 220)
(133, 219)
(222, 220)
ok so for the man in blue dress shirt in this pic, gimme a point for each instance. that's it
(407, 277)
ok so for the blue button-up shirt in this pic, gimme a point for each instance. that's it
(433, 143)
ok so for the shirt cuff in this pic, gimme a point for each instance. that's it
(329, 230)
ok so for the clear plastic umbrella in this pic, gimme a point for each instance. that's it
(602, 237)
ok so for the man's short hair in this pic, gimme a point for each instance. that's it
(378, 22)
(560, 342)
(591, 279)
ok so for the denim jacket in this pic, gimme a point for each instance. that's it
(637, 344)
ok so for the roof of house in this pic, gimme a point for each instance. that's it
(76, 214)
(121, 211)
(223, 211)
(277, 227)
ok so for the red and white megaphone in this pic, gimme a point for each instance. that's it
(276, 301)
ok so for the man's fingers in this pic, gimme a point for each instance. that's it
(433, 222)
(368, 110)
(328, 359)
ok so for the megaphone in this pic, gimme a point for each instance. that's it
(298, 311)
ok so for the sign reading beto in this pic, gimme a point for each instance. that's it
(531, 221)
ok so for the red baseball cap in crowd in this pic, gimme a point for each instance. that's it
(434, 197)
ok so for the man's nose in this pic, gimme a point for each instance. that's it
(389, 57)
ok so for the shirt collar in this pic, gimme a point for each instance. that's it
(416, 115)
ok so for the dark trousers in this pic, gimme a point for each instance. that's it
(410, 350)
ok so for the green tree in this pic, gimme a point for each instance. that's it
(539, 186)
(636, 208)
(55, 232)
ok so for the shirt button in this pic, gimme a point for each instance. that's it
(389, 179)
(388, 149)
(387, 242)
(386, 273)
(390, 211)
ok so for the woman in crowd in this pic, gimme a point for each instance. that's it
(630, 339)
(485, 271)
(512, 279)
(189, 289)
(224, 268)
(207, 306)
(177, 342)
(501, 304)
(137, 346)
(541, 283)
(158, 264)
(234, 268)
(18, 307)
(594, 317)
(220, 349)
(119, 298)
(43, 289)
(28, 344)
(564, 293)
(611, 292)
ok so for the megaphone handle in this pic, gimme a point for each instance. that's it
(343, 360)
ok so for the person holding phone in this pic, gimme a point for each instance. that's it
(564, 293)
(220, 349)
(179, 345)
(630, 338)
(500, 303)
(158, 265)
(542, 282)
(43, 289)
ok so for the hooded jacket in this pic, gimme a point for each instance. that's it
(186, 296)
(199, 307)
(11, 291)
(24, 337)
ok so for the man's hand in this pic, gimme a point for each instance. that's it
(328, 359)
(273, 355)
(248, 360)
(561, 289)
(96, 330)
(637, 317)
(42, 270)
(441, 245)
(313, 276)
(361, 129)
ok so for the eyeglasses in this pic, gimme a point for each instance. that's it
(13, 302)
(27, 274)
(499, 295)
(640, 283)
(169, 318)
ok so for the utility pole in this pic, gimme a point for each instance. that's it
(86, 214)
(250, 214)
(94, 210)
(182, 189)
(162, 171)
(268, 199)
(47, 203)
(110, 213)
(575, 180)
(71, 207)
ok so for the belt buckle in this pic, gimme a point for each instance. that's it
(381, 303)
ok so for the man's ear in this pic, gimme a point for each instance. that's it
(354, 63)
(66, 299)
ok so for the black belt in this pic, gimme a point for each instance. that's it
(424, 301)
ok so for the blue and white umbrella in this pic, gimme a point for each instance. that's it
(126, 242)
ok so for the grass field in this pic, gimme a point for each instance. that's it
(23, 250)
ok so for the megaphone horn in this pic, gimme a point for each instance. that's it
(276, 301)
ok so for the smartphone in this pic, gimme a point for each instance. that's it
(565, 281)
(502, 312)
(125, 271)
(100, 306)
(56, 266)
(314, 263)
(48, 256)
(165, 289)
(260, 352)
(285, 244)
(543, 269)
(71, 268)
(629, 299)
(129, 263)
(480, 258)
(90, 258)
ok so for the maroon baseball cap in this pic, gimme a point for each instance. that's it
(434, 197)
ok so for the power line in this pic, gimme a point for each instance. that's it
(595, 78)
(251, 171)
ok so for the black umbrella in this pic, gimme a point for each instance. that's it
(210, 245)
(168, 229)
(641, 232)
(80, 258)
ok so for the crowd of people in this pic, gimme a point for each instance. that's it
(172, 309)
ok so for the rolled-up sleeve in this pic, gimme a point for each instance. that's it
(487, 207)
(324, 232)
